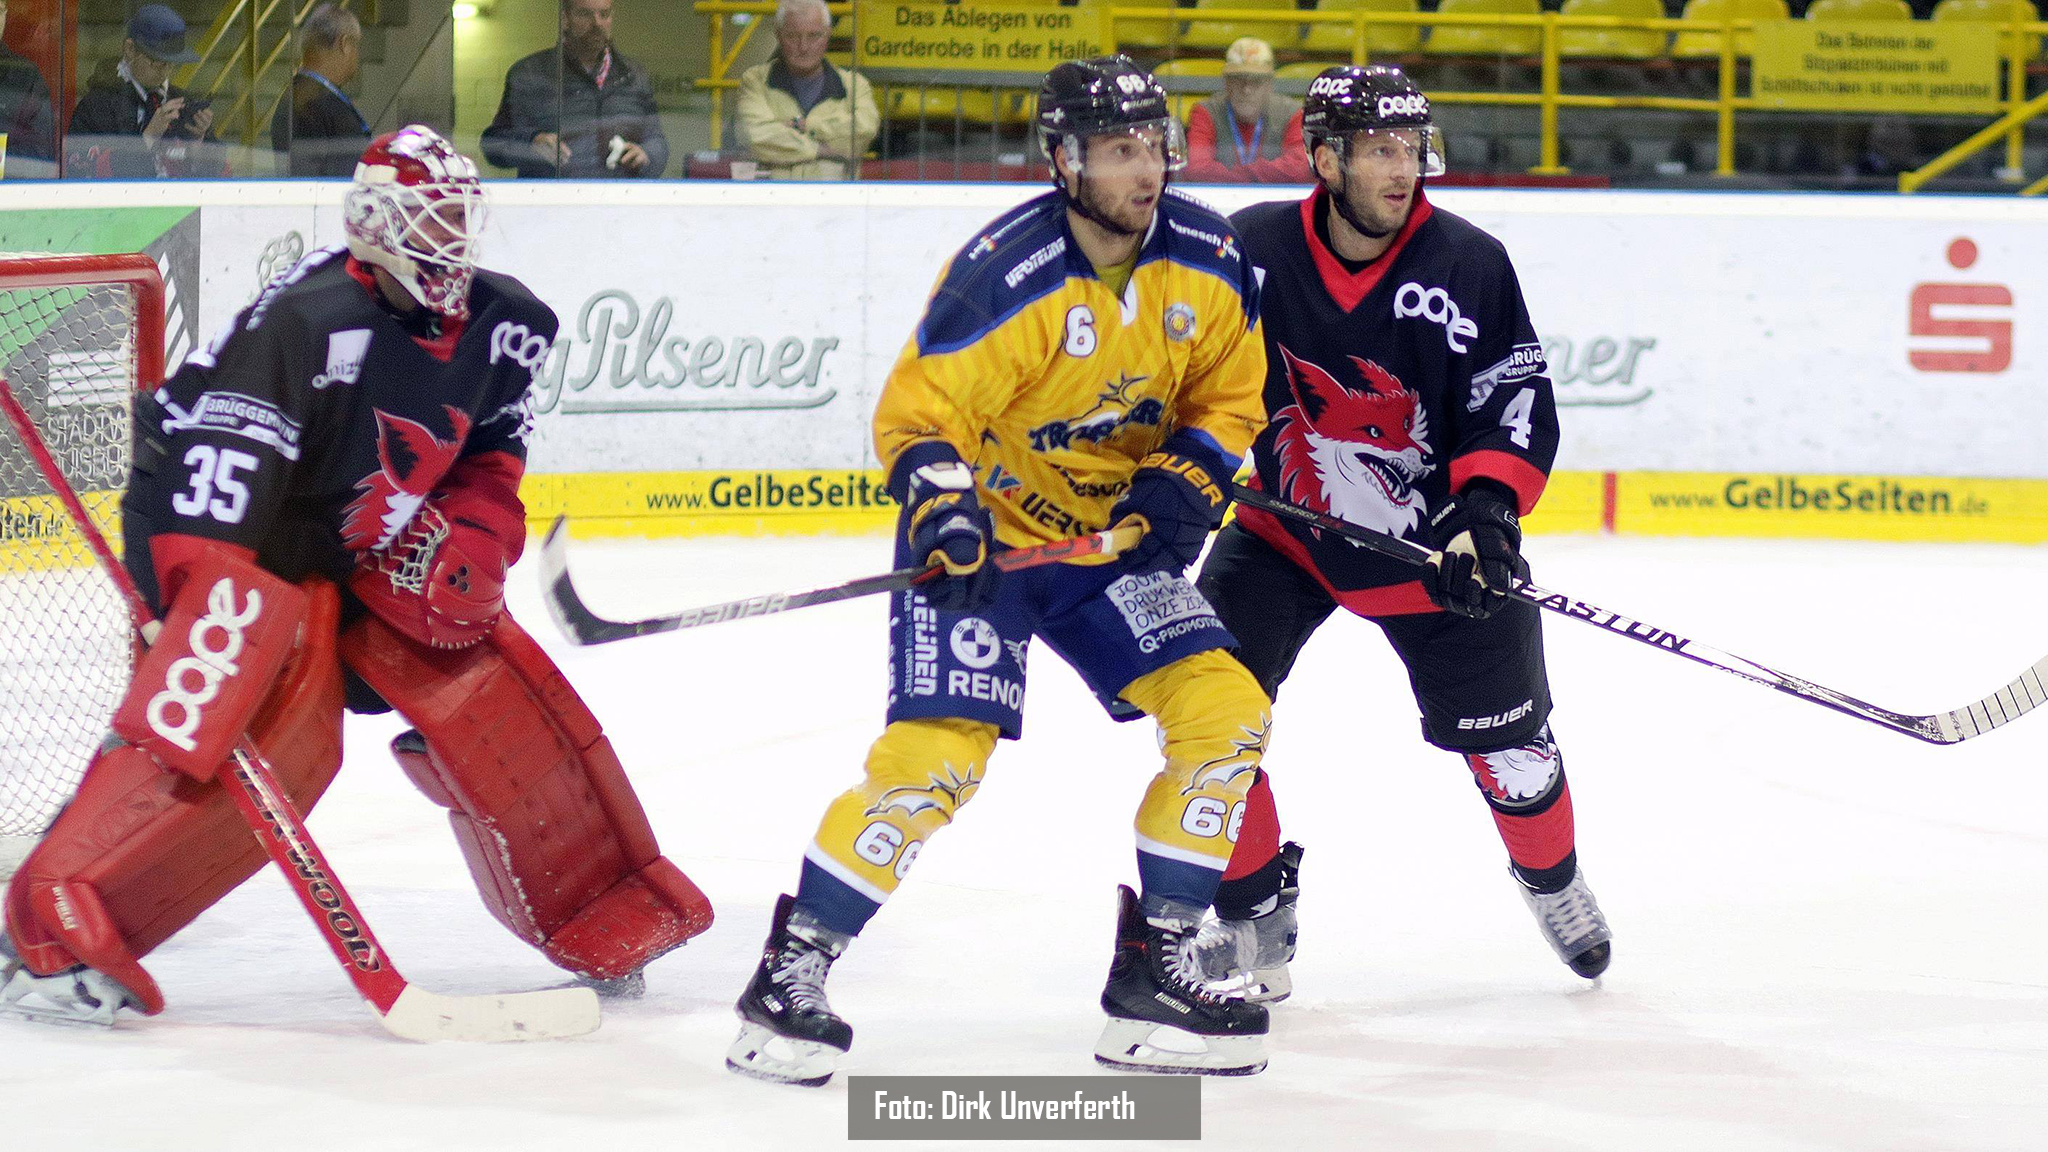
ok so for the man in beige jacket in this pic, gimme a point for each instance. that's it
(802, 118)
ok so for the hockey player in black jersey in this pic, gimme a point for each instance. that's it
(338, 474)
(1407, 392)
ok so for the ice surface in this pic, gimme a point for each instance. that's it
(1828, 936)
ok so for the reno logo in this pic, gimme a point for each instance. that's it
(1980, 341)
(192, 682)
(1436, 306)
(517, 342)
(1413, 104)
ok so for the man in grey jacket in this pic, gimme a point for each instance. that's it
(579, 109)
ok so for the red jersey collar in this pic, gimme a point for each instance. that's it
(441, 348)
(1348, 288)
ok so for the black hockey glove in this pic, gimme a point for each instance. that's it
(1179, 491)
(944, 523)
(1481, 539)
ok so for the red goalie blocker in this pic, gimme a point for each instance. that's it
(555, 838)
(140, 851)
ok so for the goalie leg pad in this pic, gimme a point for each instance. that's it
(140, 851)
(557, 842)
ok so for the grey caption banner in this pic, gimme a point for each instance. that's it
(1024, 1108)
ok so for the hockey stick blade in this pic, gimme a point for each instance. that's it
(2026, 692)
(279, 828)
(585, 627)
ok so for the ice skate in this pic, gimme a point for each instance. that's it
(788, 1032)
(1248, 958)
(1161, 1016)
(1571, 921)
(77, 995)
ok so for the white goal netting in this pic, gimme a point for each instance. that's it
(69, 355)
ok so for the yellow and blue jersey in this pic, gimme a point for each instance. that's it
(1052, 387)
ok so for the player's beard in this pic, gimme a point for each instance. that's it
(1120, 219)
(1365, 219)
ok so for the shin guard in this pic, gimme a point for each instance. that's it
(554, 836)
(141, 851)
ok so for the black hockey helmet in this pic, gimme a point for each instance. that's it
(1083, 98)
(1347, 99)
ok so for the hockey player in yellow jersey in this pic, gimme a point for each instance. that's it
(1091, 357)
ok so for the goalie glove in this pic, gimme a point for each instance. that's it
(1480, 558)
(441, 582)
(944, 523)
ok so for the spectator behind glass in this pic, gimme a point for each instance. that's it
(131, 124)
(1246, 134)
(579, 109)
(802, 118)
(321, 129)
(27, 118)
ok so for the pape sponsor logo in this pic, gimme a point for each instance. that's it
(1981, 342)
(192, 682)
(1412, 104)
(1436, 306)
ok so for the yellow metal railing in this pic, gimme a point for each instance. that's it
(2012, 125)
(247, 20)
(1549, 99)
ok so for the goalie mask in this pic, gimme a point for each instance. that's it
(1379, 101)
(1085, 100)
(415, 211)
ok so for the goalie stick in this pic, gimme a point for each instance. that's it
(407, 1011)
(2026, 692)
(582, 626)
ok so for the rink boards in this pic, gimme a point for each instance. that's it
(1746, 365)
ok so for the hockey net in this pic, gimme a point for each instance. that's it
(78, 336)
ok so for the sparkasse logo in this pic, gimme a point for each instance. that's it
(1985, 340)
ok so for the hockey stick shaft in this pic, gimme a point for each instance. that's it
(586, 627)
(277, 825)
(2023, 694)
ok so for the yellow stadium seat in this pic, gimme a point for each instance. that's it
(1692, 44)
(1306, 69)
(1859, 10)
(1144, 33)
(1218, 34)
(1995, 12)
(1182, 103)
(1380, 39)
(1622, 43)
(1481, 40)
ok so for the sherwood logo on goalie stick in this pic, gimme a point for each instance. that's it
(361, 953)
(210, 665)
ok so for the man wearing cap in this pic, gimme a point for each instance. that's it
(132, 124)
(1246, 134)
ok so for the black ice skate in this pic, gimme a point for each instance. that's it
(1161, 1017)
(1571, 921)
(77, 995)
(1248, 958)
(788, 1032)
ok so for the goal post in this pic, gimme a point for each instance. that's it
(79, 336)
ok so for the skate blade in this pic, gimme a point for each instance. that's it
(762, 1054)
(24, 996)
(1269, 985)
(1139, 1046)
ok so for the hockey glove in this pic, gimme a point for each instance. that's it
(1481, 539)
(441, 582)
(945, 524)
(1179, 491)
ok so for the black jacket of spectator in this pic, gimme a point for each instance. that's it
(546, 92)
(105, 136)
(323, 132)
(26, 114)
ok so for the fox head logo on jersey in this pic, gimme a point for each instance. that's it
(1355, 454)
(410, 461)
